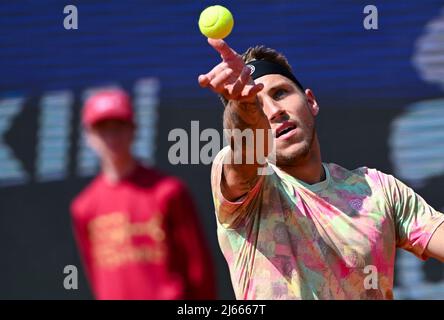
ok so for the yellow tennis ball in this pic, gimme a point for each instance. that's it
(216, 22)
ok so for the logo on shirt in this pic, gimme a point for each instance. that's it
(356, 204)
(117, 241)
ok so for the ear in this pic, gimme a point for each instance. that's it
(312, 102)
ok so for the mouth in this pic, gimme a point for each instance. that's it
(285, 130)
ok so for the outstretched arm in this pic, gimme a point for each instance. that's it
(232, 79)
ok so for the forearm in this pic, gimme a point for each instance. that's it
(245, 119)
(245, 114)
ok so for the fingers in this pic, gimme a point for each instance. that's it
(205, 79)
(231, 61)
(223, 48)
(242, 89)
(251, 91)
(230, 77)
(240, 83)
(218, 82)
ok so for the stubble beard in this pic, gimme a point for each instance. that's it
(299, 155)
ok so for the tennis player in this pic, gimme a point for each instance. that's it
(310, 229)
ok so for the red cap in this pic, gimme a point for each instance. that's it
(111, 104)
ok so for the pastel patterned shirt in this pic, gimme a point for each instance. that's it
(336, 239)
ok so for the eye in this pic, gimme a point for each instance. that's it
(279, 94)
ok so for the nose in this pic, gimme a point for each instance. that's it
(274, 110)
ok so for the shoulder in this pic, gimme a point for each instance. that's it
(340, 174)
(162, 184)
(217, 166)
(169, 192)
(219, 159)
(86, 198)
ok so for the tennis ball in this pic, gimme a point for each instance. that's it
(216, 22)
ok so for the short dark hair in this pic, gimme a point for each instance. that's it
(261, 52)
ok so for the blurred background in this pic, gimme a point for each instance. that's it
(381, 94)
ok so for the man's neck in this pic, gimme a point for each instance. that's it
(309, 170)
(310, 174)
(115, 171)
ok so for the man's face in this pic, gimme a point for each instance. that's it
(291, 114)
(111, 139)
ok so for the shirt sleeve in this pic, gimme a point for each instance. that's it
(415, 220)
(232, 214)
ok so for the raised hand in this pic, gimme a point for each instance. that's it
(231, 77)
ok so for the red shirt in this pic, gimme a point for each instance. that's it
(141, 239)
